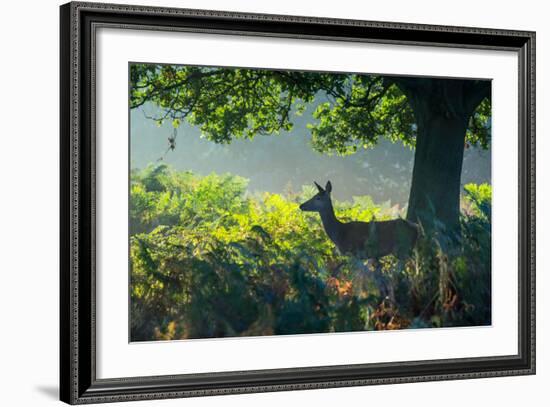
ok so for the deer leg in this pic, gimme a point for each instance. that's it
(373, 268)
(383, 283)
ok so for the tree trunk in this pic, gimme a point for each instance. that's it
(442, 109)
(435, 187)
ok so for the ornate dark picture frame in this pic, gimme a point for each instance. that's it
(78, 381)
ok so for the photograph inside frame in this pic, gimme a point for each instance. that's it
(273, 202)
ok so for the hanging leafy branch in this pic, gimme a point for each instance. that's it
(353, 110)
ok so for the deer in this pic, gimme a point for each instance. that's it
(364, 240)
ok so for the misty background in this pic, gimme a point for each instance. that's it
(283, 163)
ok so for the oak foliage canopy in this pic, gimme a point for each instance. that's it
(437, 117)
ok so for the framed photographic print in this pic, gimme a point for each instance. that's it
(256, 203)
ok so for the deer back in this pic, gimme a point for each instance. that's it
(377, 239)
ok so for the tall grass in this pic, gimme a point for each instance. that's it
(210, 260)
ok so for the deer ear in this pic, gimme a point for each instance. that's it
(328, 187)
(319, 187)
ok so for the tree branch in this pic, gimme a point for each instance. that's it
(474, 93)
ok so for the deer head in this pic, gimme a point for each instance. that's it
(321, 201)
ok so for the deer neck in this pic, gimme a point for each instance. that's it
(330, 223)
